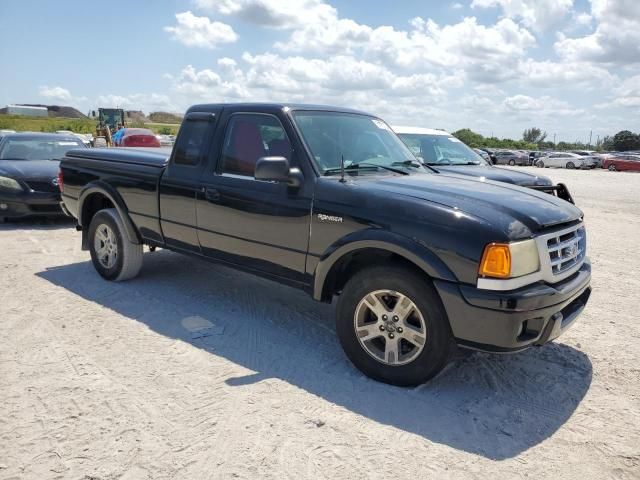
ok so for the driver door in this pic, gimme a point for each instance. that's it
(255, 224)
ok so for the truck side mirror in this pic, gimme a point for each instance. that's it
(277, 169)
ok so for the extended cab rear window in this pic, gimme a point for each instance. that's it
(193, 134)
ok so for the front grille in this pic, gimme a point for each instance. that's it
(567, 250)
(43, 186)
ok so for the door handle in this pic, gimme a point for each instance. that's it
(212, 194)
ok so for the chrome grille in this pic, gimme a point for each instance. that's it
(567, 250)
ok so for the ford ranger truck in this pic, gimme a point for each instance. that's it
(330, 201)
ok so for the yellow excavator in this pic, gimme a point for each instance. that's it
(109, 119)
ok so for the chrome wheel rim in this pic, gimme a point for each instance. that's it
(106, 246)
(390, 327)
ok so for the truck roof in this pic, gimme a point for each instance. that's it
(205, 107)
(419, 131)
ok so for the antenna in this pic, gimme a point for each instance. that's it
(342, 167)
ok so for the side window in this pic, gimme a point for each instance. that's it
(250, 137)
(189, 144)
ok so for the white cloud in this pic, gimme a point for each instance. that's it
(147, 102)
(457, 6)
(616, 39)
(541, 106)
(628, 93)
(534, 14)
(57, 93)
(584, 18)
(272, 13)
(195, 31)
(549, 74)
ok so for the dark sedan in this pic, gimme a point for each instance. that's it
(29, 173)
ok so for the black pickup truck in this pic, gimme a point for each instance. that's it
(329, 200)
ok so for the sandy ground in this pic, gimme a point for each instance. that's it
(196, 371)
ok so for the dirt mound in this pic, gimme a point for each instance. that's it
(54, 110)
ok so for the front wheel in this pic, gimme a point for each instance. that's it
(612, 168)
(114, 256)
(512, 162)
(392, 326)
(540, 164)
(570, 165)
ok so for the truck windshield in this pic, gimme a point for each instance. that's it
(364, 143)
(441, 150)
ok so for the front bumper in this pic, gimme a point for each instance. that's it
(29, 204)
(512, 321)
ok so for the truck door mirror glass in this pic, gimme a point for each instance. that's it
(277, 169)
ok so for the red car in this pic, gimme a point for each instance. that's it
(136, 137)
(621, 161)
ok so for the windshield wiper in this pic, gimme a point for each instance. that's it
(356, 166)
(408, 163)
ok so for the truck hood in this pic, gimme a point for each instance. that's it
(517, 211)
(29, 169)
(495, 173)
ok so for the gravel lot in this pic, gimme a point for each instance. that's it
(196, 371)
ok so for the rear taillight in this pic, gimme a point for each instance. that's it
(60, 181)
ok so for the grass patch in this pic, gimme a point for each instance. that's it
(21, 123)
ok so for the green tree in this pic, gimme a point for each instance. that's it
(469, 137)
(533, 135)
(607, 144)
(626, 140)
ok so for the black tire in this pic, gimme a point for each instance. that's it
(512, 162)
(540, 164)
(612, 168)
(435, 350)
(570, 165)
(128, 256)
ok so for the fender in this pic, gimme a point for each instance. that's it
(112, 194)
(407, 248)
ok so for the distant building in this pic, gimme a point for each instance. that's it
(27, 110)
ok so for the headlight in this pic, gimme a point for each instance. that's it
(7, 183)
(509, 260)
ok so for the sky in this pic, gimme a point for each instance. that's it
(569, 67)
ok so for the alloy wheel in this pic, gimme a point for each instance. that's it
(390, 327)
(106, 246)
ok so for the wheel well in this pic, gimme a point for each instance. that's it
(351, 263)
(92, 205)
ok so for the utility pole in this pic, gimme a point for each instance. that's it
(554, 139)
(590, 134)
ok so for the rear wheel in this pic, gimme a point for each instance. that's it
(612, 168)
(392, 326)
(570, 165)
(114, 256)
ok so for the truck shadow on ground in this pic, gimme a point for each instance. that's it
(490, 405)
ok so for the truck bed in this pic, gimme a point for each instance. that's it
(134, 173)
(156, 157)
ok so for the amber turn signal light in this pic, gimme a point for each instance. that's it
(496, 261)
